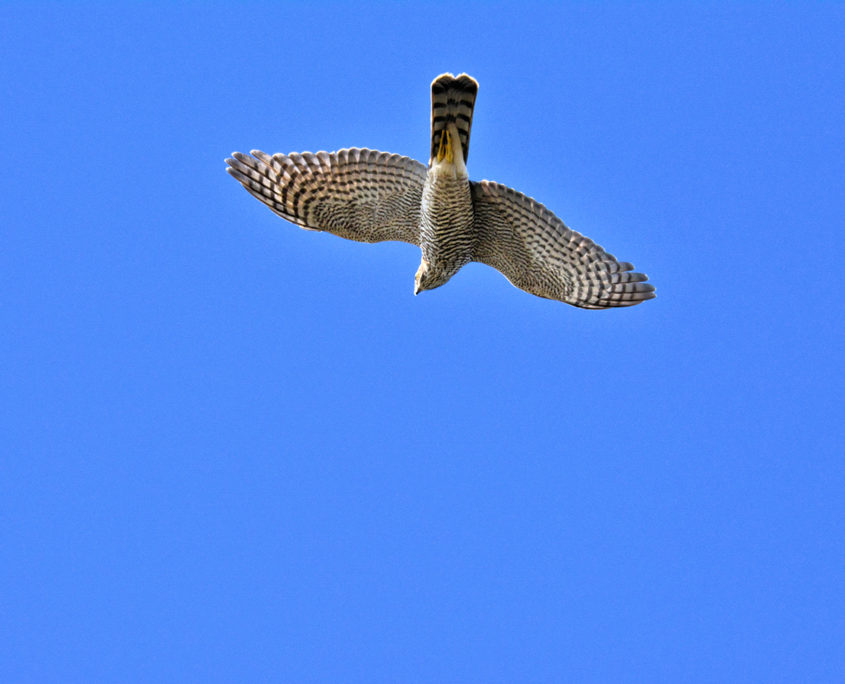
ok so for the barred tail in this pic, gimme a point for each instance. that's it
(452, 100)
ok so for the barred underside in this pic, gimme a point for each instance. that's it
(452, 100)
(446, 222)
(358, 194)
(535, 250)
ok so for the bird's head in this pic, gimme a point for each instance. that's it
(429, 276)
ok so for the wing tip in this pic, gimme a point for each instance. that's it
(624, 293)
(632, 293)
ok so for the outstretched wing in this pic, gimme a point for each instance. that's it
(535, 251)
(358, 194)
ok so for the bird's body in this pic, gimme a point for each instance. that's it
(447, 230)
(446, 226)
(372, 196)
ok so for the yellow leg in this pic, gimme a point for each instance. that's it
(445, 148)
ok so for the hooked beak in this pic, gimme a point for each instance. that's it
(418, 277)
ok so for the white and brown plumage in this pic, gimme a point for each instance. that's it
(372, 196)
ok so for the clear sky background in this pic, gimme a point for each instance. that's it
(233, 450)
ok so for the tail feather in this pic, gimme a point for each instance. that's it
(452, 101)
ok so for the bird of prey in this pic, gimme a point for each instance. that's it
(371, 196)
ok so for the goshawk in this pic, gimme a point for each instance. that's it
(371, 196)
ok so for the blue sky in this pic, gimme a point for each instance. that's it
(239, 451)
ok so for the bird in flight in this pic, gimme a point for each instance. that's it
(372, 196)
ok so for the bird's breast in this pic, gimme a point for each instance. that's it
(446, 219)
